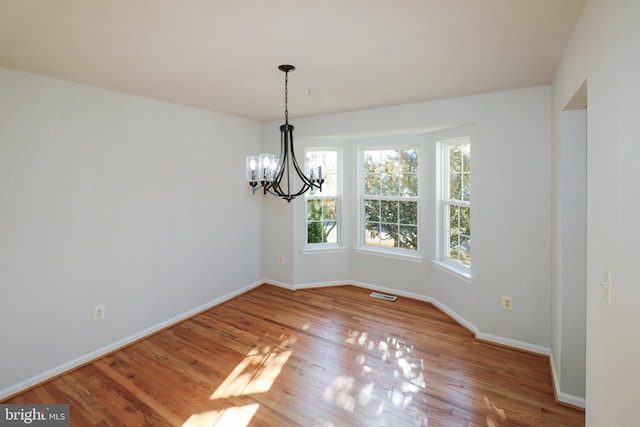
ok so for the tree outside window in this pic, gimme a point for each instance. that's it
(390, 198)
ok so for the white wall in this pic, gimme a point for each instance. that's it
(573, 269)
(569, 258)
(604, 51)
(112, 199)
(510, 214)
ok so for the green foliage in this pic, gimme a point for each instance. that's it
(459, 172)
(321, 221)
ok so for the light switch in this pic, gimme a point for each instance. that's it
(606, 285)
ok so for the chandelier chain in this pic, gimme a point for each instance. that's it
(286, 97)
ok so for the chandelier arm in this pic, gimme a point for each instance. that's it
(299, 171)
(276, 190)
(282, 159)
(303, 177)
(286, 196)
(279, 193)
(274, 187)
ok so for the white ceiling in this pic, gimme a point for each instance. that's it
(222, 55)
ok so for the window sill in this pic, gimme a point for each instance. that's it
(387, 254)
(333, 249)
(452, 269)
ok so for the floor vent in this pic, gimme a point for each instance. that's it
(383, 296)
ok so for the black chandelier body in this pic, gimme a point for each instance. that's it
(278, 176)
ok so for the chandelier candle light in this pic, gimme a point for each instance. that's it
(275, 176)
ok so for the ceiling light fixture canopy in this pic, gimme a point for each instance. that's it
(278, 176)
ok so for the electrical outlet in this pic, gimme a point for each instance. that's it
(506, 303)
(281, 259)
(99, 312)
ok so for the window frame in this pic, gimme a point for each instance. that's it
(445, 203)
(326, 246)
(392, 252)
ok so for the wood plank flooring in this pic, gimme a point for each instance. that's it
(323, 357)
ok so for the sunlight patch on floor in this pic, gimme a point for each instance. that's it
(238, 416)
(497, 416)
(391, 376)
(341, 393)
(256, 373)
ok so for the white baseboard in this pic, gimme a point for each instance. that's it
(94, 355)
(280, 284)
(503, 341)
(578, 402)
(508, 342)
(569, 399)
(461, 320)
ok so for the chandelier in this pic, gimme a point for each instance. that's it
(278, 176)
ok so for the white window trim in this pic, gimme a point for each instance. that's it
(396, 253)
(316, 248)
(443, 262)
(326, 248)
(453, 268)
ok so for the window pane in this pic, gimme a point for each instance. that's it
(454, 219)
(314, 232)
(390, 161)
(372, 233)
(389, 235)
(330, 232)
(408, 212)
(409, 185)
(389, 184)
(322, 232)
(455, 186)
(408, 237)
(329, 209)
(372, 161)
(372, 210)
(465, 221)
(466, 157)
(372, 184)
(314, 210)
(453, 245)
(331, 161)
(389, 211)
(464, 254)
(455, 158)
(330, 185)
(409, 160)
(466, 187)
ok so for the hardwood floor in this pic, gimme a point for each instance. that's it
(322, 357)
